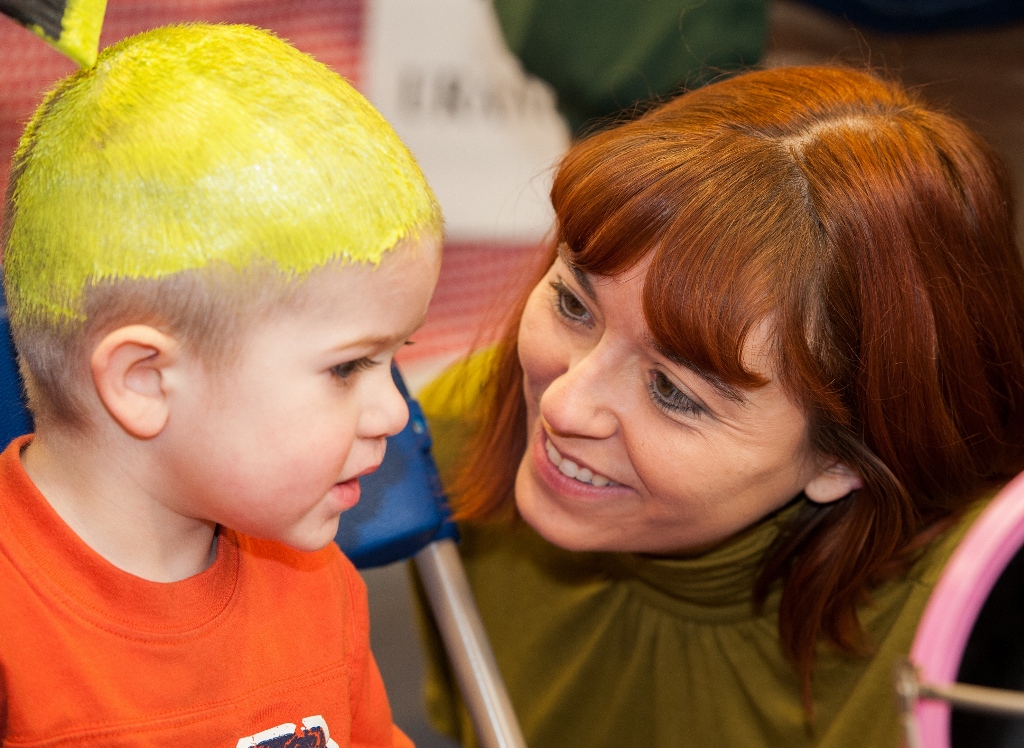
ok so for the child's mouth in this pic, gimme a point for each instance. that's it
(346, 494)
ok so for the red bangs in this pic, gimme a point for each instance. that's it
(616, 197)
(719, 214)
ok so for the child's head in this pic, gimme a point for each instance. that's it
(191, 181)
(272, 445)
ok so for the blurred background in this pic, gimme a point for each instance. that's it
(488, 94)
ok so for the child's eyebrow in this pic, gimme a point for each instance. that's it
(381, 341)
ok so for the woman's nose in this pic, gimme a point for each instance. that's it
(581, 400)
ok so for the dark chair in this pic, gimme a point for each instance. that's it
(14, 418)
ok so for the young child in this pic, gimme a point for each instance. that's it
(213, 249)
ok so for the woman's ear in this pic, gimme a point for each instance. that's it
(832, 482)
(129, 371)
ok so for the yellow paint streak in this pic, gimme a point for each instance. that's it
(80, 36)
(80, 31)
(194, 144)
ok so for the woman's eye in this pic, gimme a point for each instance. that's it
(669, 397)
(349, 368)
(569, 304)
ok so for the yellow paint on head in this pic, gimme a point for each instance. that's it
(80, 35)
(80, 24)
(194, 144)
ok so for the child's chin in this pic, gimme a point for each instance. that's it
(312, 541)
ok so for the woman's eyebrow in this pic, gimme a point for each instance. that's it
(584, 280)
(728, 391)
(581, 277)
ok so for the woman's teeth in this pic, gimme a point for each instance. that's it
(570, 469)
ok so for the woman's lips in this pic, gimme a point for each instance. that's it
(559, 481)
(572, 469)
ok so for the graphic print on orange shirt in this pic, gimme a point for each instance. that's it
(312, 734)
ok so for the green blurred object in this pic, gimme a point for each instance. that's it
(72, 26)
(603, 56)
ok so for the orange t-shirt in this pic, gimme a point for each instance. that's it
(267, 647)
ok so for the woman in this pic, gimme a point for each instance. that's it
(772, 372)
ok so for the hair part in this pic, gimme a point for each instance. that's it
(875, 236)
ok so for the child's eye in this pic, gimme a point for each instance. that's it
(569, 305)
(670, 398)
(349, 368)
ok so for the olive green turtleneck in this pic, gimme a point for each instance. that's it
(615, 650)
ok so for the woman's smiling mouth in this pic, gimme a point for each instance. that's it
(570, 469)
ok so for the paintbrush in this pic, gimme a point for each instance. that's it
(72, 26)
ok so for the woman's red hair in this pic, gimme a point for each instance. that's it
(875, 235)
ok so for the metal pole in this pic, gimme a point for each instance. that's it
(909, 688)
(976, 698)
(907, 691)
(469, 650)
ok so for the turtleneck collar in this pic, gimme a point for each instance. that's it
(715, 585)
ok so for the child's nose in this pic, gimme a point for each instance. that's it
(386, 412)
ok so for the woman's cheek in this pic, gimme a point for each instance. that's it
(540, 350)
(534, 383)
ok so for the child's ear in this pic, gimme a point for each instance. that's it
(129, 370)
(832, 482)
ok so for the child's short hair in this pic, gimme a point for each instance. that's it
(185, 181)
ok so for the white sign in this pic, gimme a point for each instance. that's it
(486, 135)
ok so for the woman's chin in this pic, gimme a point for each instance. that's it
(574, 519)
(541, 509)
(561, 533)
